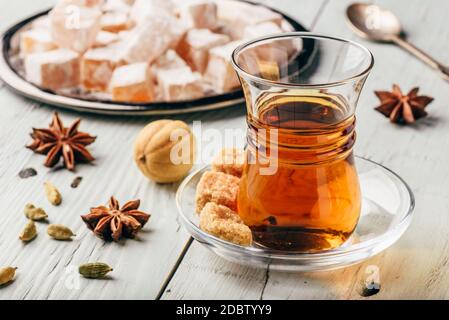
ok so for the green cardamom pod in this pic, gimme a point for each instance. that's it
(53, 194)
(94, 270)
(7, 275)
(35, 214)
(59, 232)
(29, 232)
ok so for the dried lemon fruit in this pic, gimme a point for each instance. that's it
(165, 151)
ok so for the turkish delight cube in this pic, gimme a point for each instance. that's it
(97, 67)
(150, 39)
(169, 60)
(286, 26)
(56, 69)
(220, 72)
(75, 27)
(199, 13)
(145, 10)
(262, 29)
(42, 22)
(132, 83)
(238, 15)
(105, 38)
(35, 41)
(179, 84)
(84, 3)
(115, 21)
(116, 6)
(194, 47)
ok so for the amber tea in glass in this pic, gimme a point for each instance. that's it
(303, 104)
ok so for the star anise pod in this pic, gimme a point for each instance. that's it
(402, 108)
(57, 141)
(113, 223)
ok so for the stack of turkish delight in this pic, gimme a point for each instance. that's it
(142, 50)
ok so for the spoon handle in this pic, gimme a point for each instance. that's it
(423, 56)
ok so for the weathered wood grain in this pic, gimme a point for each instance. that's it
(417, 266)
(48, 269)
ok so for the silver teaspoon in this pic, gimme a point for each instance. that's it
(375, 23)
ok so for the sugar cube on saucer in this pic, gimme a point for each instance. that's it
(132, 83)
(225, 224)
(230, 161)
(180, 84)
(220, 72)
(36, 40)
(56, 69)
(199, 13)
(217, 187)
(194, 47)
(97, 67)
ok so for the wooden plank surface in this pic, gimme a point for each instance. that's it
(414, 268)
(417, 266)
(48, 269)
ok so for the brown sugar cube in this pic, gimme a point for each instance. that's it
(132, 83)
(230, 161)
(56, 69)
(225, 224)
(217, 187)
(194, 47)
(35, 41)
(97, 67)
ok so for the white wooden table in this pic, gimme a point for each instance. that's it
(160, 265)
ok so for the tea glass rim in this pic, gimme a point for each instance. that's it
(302, 35)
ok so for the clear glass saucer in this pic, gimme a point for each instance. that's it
(387, 208)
